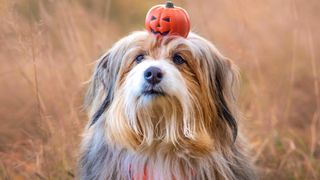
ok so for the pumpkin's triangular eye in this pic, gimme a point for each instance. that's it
(166, 19)
(153, 18)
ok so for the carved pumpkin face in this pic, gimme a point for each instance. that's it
(163, 20)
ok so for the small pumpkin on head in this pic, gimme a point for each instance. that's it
(163, 20)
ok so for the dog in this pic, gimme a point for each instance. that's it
(163, 109)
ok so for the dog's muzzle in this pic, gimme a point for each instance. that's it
(154, 78)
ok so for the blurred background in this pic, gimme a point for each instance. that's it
(48, 49)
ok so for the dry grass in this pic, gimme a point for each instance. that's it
(47, 50)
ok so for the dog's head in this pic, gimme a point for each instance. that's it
(177, 91)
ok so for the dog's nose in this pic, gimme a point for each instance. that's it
(153, 75)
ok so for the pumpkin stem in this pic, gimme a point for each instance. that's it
(169, 4)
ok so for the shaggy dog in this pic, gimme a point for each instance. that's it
(163, 109)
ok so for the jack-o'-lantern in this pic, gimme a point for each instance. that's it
(163, 20)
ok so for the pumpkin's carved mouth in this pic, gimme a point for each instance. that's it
(158, 32)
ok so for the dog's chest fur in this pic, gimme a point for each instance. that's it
(102, 161)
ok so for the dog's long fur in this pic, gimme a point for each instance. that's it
(189, 132)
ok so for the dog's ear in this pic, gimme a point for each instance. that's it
(225, 81)
(222, 83)
(100, 92)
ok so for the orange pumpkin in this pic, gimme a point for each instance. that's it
(162, 20)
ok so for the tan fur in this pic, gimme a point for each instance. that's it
(188, 134)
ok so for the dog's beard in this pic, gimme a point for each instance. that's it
(158, 118)
(152, 121)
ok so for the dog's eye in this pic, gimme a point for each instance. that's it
(177, 59)
(139, 58)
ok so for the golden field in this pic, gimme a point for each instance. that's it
(48, 49)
